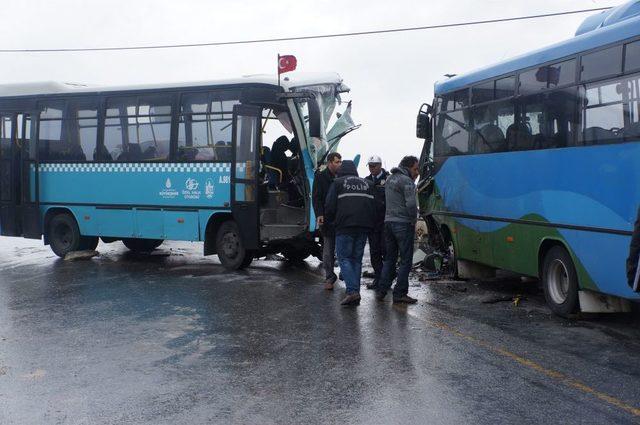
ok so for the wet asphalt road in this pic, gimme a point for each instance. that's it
(172, 338)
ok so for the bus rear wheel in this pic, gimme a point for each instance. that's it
(141, 245)
(230, 248)
(560, 282)
(64, 236)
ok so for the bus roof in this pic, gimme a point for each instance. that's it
(601, 33)
(51, 87)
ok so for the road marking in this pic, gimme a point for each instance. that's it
(553, 374)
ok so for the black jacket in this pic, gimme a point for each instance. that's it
(378, 184)
(321, 184)
(350, 205)
(634, 252)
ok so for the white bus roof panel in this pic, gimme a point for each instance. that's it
(287, 81)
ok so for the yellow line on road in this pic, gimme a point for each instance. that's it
(555, 375)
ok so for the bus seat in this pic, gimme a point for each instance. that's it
(519, 137)
(150, 153)
(492, 139)
(133, 153)
(222, 151)
(632, 131)
(101, 153)
(593, 135)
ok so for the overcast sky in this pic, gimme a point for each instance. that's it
(390, 75)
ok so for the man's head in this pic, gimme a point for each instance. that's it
(410, 162)
(334, 160)
(375, 165)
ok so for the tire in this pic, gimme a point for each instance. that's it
(248, 259)
(296, 256)
(452, 254)
(64, 234)
(230, 247)
(88, 243)
(141, 245)
(560, 282)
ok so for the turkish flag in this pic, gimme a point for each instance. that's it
(286, 63)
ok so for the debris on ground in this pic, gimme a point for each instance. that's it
(457, 289)
(492, 299)
(80, 255)
(429, 276)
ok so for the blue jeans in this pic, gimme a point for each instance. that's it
(398, 241)
(350, 249)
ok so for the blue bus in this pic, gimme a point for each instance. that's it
(229, 163)
(532, 165)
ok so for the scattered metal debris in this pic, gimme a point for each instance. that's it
(80, 255)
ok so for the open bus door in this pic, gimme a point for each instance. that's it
(19, 183)
(244, 173)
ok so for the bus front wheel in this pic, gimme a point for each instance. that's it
(230, 248)
(141, 245)
(560, 282)
(64, 236)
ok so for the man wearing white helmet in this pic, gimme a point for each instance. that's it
(377, 176)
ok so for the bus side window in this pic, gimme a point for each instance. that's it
(82, 126)
(632, 128)
(452, 136)
(55, 141)
(204, 129)
(603, 116)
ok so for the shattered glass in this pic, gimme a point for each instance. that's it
(327, 98)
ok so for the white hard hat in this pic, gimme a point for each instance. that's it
(374, 159)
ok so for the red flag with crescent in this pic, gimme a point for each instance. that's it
(286, 63)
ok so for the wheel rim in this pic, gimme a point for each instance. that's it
(451, 262)
(230, 245)
(558, 281)
(64, 235)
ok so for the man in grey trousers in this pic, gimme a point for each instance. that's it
(399, 229)
(321, 184)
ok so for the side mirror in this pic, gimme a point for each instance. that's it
(423, 122)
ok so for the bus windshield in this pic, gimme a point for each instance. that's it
(332, 128)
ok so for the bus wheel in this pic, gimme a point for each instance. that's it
(230, 248)
(452, 255)
(560, 282)
(141, 245)
(64, 235)
(88, 243)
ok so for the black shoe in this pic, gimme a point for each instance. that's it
(340, 276)
(373, 284)
(351, 299)
(405, 299)
(380, 295)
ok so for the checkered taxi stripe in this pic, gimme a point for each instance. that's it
(138, 168)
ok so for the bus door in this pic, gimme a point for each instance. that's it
(244, 172)
(19, 183)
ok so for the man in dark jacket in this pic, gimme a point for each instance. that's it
(634, 255)
(350, 207)
(377, 177)
(399, 229)
(321, 184)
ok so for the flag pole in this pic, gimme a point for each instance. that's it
(278, 68)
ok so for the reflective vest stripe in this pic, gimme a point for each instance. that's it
(365, 195)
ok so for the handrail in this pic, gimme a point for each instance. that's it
(275, 169)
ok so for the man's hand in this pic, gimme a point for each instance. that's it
(320, 221)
